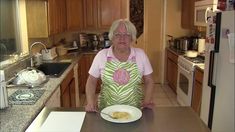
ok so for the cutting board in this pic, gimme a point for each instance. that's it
(63, 122)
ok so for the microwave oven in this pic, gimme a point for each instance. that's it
(201, 10)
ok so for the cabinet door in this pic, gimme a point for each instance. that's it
(52, 12)
(37, 20)
(65, 89)
(61, 16)
(187, 16)
(90, 14)
(74, 14)
(72, 93)
(65, 98)
(109, 11)
(197, 97)
(54, 100)
(85, 64)
(172, 71)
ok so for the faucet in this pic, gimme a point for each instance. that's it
(31, 56)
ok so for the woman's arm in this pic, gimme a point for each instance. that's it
(90, 94)
(148, 91)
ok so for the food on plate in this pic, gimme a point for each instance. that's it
(121, 115)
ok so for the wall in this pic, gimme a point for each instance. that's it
(151, 39)
(173, 19)
(172, 27)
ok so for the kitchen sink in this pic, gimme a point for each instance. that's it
(53, 69)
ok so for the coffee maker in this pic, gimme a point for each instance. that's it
(107, 42)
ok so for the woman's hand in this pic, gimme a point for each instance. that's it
(90, 108)
(148, 105)
(148, 99)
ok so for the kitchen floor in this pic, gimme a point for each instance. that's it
(163, 96)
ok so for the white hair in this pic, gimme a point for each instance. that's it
(129, 27)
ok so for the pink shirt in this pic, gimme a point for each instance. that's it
(100, 59)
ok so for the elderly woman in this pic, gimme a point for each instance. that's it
(121, 69)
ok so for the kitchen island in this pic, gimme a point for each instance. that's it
(160, 119)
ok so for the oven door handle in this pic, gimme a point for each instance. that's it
(189, 72)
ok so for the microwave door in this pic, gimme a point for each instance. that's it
(201, 14)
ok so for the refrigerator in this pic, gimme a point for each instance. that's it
(217, 106)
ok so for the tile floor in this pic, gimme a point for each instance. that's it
(163, 96)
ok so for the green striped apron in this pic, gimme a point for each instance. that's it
(121, 84)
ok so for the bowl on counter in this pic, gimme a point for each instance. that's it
(29, 77)
(191, 53)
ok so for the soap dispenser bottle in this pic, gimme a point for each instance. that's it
(3, 91)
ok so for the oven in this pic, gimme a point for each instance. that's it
(184, 82)
(185, 78)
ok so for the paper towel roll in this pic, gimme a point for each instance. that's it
(201, 45)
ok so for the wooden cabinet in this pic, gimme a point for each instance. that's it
(85, 64)
(108, 11)
(54, 100)
(99, 14)
(172, 69)
(68, 91)
(197, 90)
(90, 14)
(45, 18)
(187, 14)
(74, 15)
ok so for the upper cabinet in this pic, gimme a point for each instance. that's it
(187, 16)
(90, 14)
(50, 17)
(45, 18)
(109, 10)
(99, 14)
(56, 16)
(74, 15)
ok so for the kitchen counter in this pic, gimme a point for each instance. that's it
(176, 51)
(200, 67)
(17, 118)
(160, 119)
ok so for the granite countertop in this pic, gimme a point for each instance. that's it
(200, 67)
(17, 118)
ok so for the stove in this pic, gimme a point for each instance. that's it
(189, 63)
(186, 66)
(197, 60)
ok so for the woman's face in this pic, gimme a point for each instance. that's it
(121, 38)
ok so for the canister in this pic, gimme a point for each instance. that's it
(201, 45)
(3, 91)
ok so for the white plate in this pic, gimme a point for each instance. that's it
(134, 112)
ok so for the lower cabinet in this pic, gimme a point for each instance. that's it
(67, 88)
(197, 91)
(54, 100)
(85, 64)
(172, 70)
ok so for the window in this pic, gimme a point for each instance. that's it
(13, 31)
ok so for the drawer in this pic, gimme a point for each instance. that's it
(199, 75)
(172, 56)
